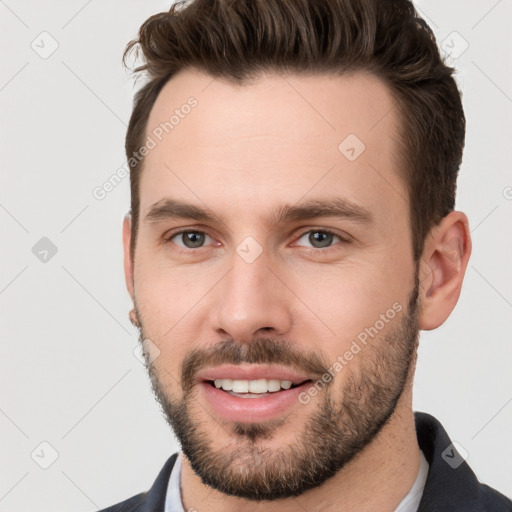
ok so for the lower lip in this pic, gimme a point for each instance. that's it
(233, 408)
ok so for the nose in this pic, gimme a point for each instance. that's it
(251, 301)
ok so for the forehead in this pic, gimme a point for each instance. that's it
(276, 140)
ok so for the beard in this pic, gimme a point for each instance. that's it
(332, 435)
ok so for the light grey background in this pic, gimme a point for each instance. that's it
(68, 373)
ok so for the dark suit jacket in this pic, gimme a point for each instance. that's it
(451, 486)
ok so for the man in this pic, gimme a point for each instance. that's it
(292, 228)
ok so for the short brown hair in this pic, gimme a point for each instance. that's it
(238, 39)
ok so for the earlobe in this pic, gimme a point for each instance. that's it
(444, 261)
(128, 260)
(134, 319)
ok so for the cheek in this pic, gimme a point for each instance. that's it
(169, 300)
(166, 292)
(345, 300)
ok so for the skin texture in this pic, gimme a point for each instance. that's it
(242, 153)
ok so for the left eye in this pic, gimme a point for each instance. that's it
(320, 238)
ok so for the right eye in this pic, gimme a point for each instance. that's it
(189, 239)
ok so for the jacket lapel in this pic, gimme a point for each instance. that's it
(154, 500)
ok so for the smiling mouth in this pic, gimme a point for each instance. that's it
(239, 400)
(255, 388)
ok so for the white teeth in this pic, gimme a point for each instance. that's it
(273, 385)
(240, 386)
(258, 386)
(226, 384)
(252, 386)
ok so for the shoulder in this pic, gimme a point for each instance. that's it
(149, 501)
(133, 504)
(493, 500)
(451, 484)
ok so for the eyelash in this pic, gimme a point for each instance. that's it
(315, 249)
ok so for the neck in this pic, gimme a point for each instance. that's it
(378, 478)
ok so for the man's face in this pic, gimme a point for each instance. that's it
(308, 296)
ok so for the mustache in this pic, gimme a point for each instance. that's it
(260, 351)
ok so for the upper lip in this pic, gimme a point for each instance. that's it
(252, 372)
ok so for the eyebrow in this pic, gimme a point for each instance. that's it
(334, 207)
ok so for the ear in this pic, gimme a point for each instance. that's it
(443, 264)
(128, 261)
